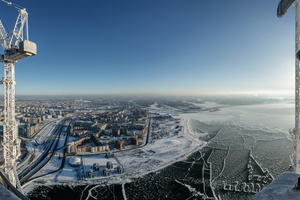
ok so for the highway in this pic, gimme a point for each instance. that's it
(48, 152)
(63, 159)
(43, 136)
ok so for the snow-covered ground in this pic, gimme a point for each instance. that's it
(32, 147)
(45, 133)
(54, 164)
(169, 141)
(76, 175)
(88, 162)
(207, 104)
(164, 109)
(36, 145)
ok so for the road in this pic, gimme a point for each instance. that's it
(45, 157)
(53, 153)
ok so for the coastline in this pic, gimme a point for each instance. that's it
(228, 149)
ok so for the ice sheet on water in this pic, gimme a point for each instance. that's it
(273, 155)
(242, 131)
(195, 193)
(270, 118)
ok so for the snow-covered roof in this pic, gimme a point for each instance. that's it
(75, 160)
(280, 188)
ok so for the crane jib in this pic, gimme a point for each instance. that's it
(14, 45)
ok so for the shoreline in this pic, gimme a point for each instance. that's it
(193, 126)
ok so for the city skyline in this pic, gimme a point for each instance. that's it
(159, 47)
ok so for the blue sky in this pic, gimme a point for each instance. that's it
(155, 46)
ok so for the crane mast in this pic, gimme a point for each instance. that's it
(11, 143)
(281, 10)
(296, 133)
(15, 48)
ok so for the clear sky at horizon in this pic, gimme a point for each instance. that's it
(155, 46)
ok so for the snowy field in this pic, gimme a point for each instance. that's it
(88, 162)
(169, 142)
(54, 164)
(76, 175)
(45, 133)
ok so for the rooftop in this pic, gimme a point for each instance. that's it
(6, 194)
(283, 187)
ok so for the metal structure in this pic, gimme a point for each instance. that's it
(283, 6)
(15, 48)
(281, 10)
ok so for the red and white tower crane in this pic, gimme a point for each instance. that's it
(15, 48)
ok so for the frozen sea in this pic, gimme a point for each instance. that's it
(247, 147)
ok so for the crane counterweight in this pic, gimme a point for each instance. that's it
(26, 48)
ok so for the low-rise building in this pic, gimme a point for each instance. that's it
(91, 174)
(120, 170)
(106, 172)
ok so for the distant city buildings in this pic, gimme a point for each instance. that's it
(95, 126)
(119, 125)
(27, 129)
(31, 114)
